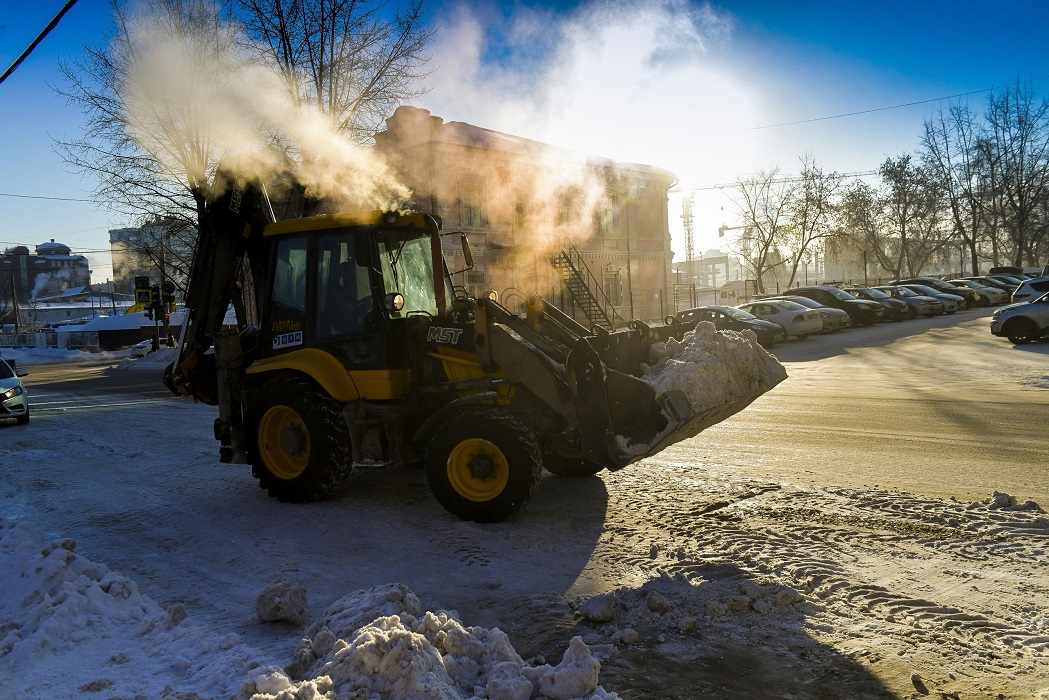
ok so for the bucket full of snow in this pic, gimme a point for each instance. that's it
(684, 383)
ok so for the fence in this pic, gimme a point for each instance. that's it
(74, 340)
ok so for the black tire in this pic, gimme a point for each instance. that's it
(912, 313)
(483, 465)
(297, 441)
(802, 336)
(24, 418)
(1021, 331)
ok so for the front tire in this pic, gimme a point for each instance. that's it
(298, 442)
(1021, 331)
(24, 418)
(483, 465)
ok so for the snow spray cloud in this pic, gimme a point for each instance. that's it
(193, 98)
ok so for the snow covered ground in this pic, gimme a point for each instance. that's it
(185, 581)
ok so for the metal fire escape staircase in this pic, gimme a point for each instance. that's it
(585, 289)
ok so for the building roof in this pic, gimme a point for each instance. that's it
(412, 126)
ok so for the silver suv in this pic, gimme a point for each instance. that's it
(1024, 322)
(1031, 289)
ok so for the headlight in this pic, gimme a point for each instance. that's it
(11, 393)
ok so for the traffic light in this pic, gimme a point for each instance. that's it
(156, 302)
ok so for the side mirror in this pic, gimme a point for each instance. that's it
(21, 372)
(467, 254)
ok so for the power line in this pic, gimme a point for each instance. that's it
(53, 199)
(882, 109)
(730, 185)
(47, 30)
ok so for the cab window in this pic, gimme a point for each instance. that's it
(345, 304)
(288, 307)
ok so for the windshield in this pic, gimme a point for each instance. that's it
(875, 294)
(841, 294)
(805, 301)
(929, 291)
(5, 371)
(407, 268)
(740, 314)
(789, 306)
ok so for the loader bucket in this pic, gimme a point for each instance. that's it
(623, 418)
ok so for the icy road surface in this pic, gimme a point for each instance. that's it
(732, 566)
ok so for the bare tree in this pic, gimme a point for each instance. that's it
(353, 58)
(765, 201)
(152, 157)
(1018, 141)
(811, 213)
(953, 153)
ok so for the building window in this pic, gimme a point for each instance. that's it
(470, 196)
(608, 221)
(614, 286)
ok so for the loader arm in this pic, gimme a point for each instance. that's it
(229, 238)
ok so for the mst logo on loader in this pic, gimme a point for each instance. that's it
(444, 335)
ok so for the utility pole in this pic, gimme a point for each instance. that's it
(686, 218)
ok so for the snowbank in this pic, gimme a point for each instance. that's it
(64, 619)
(49, 356)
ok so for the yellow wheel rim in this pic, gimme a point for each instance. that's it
(284, 442)
(478, 470)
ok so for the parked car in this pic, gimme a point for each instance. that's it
(833, 319)
(998, 283)
(863, 313)
(1013, 280)
(14, 400)
(795, 320)
(1024, 322)
(952, 303)
(920, 304)
(970, 296)
(141, 349)
(729, 318)
(989, 296)
(895, 309)
(1030, 289)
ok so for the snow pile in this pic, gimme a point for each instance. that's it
(380, 643)
(670, 605)
(64, 619)
(1002, 500)
(712, 367)
(62, 614)
(154, 361)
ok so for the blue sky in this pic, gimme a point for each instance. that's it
(696, 88)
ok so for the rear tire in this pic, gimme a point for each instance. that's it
(483, 465)
(297, 440)
(1021, 331)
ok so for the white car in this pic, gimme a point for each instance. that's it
(989, 296)
(14, 401)
(141, 349)
(795, 320)
(1024, 322)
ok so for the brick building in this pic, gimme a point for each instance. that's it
(50, 271)
(589, 234)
